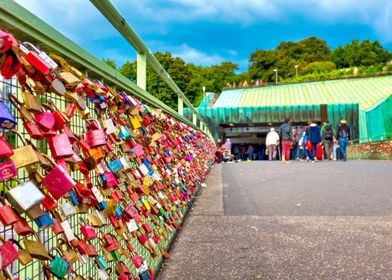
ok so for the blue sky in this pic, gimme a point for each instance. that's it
(207, 32)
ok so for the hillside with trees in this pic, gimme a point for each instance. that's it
(307, 60)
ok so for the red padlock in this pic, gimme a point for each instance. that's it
(58, 182)
(95, 137)
(88, 232)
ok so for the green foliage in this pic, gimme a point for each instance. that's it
(110, 62)
(319, 67)
(312, 56)
(128, 69)
(357, 53)
(284, 58)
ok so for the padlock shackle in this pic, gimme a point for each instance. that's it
(19, 105)
(31, 47)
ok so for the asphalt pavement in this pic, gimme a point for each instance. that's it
(269, 220)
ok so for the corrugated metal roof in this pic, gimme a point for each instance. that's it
(366, 91)
(228, 98)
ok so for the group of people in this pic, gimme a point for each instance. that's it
(306, 142)
(310, 142)
(245, 84)
(229, 152)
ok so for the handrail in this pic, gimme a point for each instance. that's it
(17, 19)
(117, 20)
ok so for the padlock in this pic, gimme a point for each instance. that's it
(95, 137)
(24, 196)
(7, 121)
(58, 182)
(44, 221)
(7, 214)
(101, 262)
(24, 256)
(22, 228)
(58, 265)
(70, 254)
(8, 253)
(35, 212)
(115, 165)
(39, 59)
(24, 155)
(68, 209)
(68, 233)
(74, 198)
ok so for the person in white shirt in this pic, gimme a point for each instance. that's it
(272, 141)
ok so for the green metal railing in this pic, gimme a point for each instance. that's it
(28, 27)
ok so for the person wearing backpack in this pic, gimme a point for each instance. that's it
(315, 138)
(327, 134)
(286, 137)
(343, 136)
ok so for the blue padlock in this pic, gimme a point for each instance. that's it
(103, 179)
(101, 205)
(115, 165)
(44, 221)
(98, 99)
(117, 211)
(143, 275)
(101, 262)
(146, 162)
(74, 199)
(124, 133)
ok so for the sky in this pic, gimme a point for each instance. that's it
(208, 32)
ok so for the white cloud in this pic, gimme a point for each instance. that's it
(376, 14)
(74, 18)
(189, 54)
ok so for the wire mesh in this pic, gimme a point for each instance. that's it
(86, 267)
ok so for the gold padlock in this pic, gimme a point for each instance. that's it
(24, 155)
(69, 253)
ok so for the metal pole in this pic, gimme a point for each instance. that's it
(180, 105)
(141, 70)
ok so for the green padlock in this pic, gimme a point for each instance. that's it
(115, 255)
(58, 266)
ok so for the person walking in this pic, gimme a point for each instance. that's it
(314, 138)
(343, 136)
(327, 134)
(294, 148)
(285, 135)
(272, 141)
(250, 152)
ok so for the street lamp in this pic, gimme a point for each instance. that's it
(296, 71)
(276, 76)
(204, 91)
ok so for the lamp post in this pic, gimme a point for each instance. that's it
(276, 76)
(296, 71)
(204, 92)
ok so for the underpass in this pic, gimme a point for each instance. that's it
(268, 220)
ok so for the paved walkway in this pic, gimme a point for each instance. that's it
(268, 220)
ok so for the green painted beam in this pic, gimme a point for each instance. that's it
(27, 27)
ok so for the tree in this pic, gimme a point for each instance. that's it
(319, 67)
(128, 69)
(337, 57)
(365, 53)
(284, 58)
(110, 62)
(262, 62)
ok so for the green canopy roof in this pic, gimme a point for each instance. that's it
(366, 102)
(364, 91)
